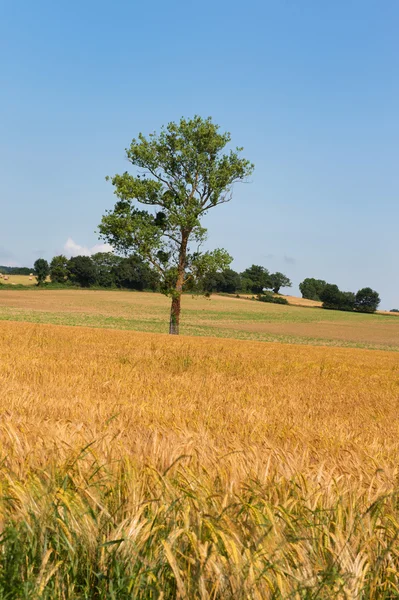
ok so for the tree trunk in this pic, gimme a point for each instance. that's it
(176, 299)
(175, 315)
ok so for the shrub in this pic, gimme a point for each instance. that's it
(268, 297)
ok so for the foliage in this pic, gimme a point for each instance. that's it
(311, 288)
(135, 274)
(42, 270)
(279, 280)
(82, 270)
(184, 174)
(59, 269)
(394, 310)
(105, 263)
(227, 281)
(15, 270)
(258, 278)
(367, 300)
(333, 298)
(268, 297)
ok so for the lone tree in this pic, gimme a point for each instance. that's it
(279, 280)
(42, 270)
(183, 173)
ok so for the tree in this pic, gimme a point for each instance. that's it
(259, 278)
(184, 174)
(232, 281)
(332, 297)
(134, 273)
(367, 300)
(105, 264)
(59, 269)
(278, 280)
(42, 270)
(82, 270)
(312, 288)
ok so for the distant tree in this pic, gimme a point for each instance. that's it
(245, 284)
(367, 300)
(184, 173)
(347, 301)
(259, 278)
(59, 269)
(394, 310)
(135, 274)
(333, 298)
(311, 288)
(231, 281)
(15, 270)
(278, 280)
(105, 264)
(42, 270)
(82, 271)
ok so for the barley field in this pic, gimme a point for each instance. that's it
(140, 465)
(222, 317)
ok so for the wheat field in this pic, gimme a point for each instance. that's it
(138, 465)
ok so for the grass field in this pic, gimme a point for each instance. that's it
(146, 466)
(218, 317)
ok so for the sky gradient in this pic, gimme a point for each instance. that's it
(310, 89)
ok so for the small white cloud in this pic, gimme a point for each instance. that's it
(71, 248)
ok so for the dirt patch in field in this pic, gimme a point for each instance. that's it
(373, 333)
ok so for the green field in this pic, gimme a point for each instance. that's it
(218, 317)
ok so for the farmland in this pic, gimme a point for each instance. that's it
(218, 317)
(150, 466)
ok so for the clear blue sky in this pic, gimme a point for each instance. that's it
(309, 88)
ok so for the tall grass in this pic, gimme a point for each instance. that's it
(139, 466)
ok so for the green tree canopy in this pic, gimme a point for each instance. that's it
(82, 270)
(42, 270)
(332, 297)
(181, 173)
(312, 288)
(59, 269)
(258, 278)
(367, 300)
(134, 273)
(279, 280)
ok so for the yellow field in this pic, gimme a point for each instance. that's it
(233, 469)
(18, 280)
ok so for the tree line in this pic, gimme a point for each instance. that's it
(365, 300)
(108, 270)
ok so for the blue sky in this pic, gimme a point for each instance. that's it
(309, 88)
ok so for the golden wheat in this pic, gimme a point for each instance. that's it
(233, 469)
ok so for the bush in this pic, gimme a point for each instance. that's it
(268, 297)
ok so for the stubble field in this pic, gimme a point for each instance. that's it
(138, 465)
